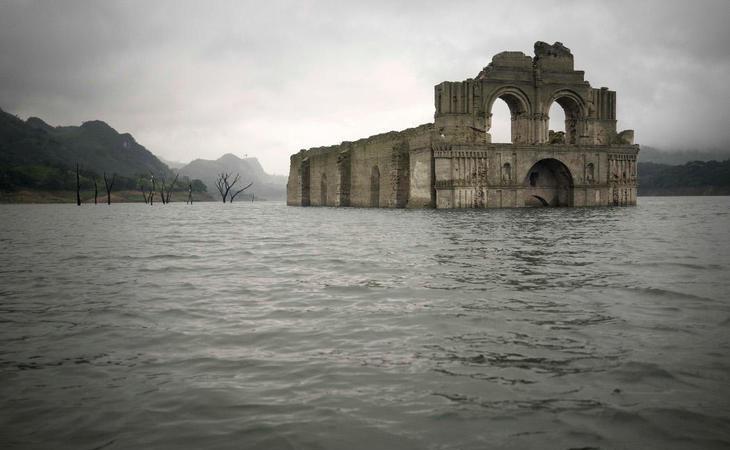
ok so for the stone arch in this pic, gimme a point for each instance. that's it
(375, 187)
(548, 183)
(323, 190)
(520, 109)
(575, 111)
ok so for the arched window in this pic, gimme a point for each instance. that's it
(508, 119)
(572, 113)
(501, 126)
(556, 133)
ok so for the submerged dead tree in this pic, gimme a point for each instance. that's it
(152, 192)
(96, 191)
(221, 183)
(162, 190)
(225, 186)
(190, 194)
(166, 191)
(144, 194)
(109, 185)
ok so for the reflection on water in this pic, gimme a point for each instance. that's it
(262, 326)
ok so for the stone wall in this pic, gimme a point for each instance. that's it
(507, 175)
(369, 172)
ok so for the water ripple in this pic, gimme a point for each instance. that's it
(262, 326)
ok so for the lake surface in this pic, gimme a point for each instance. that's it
(256, 325)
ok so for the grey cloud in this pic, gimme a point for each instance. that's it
(198, 79)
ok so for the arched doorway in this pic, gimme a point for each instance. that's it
(323, 190)
(375, 187)
(548, 183)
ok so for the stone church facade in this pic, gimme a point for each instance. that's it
(452, 162)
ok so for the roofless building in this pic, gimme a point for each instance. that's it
(452, 163)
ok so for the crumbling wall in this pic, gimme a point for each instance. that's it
(346, 170)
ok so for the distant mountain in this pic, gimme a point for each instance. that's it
(269, 187)
(94, 145)
(173, 165)
(677, 157)
(692, 178)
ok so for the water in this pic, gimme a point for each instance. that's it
(263, 326)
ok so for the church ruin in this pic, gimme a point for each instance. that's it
(452, 162)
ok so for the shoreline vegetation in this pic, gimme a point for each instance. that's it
(66, 196)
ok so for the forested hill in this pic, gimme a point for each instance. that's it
(38, 161)
(692, 178)
(94, 145)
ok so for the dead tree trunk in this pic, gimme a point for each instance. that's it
(162, 190)
(109, 187)
(223, 186)
(96, 191)
(144, 195)
(190, 194)
(152, 192)
(170, 188)
(78, 186)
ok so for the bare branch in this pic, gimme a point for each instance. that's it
(238, 177)
(220, 185)
(224, 186)
(162, 190)
(152, 192)
(241, 190)
(171, 187)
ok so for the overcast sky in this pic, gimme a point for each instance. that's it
(197, 79)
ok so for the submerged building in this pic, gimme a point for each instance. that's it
(452, 162)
